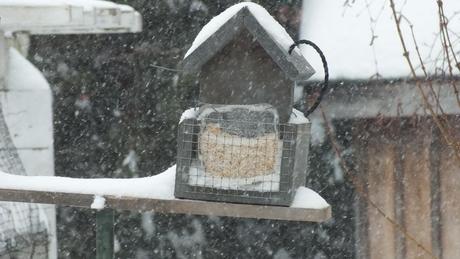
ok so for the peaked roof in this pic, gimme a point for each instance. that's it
(265, 29)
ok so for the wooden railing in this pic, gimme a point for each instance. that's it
(304, 210)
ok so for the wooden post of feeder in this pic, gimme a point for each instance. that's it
(104, 234)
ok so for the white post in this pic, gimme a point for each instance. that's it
(26, 100)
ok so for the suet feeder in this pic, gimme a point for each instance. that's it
(245, 143)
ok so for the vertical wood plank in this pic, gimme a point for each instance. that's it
(362, 227)
(360, 165)
(435, 160)
(417, 189)
(414, 177)
(450, 203)
(381, 189)
(399, 196)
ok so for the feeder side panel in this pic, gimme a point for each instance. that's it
(243, 73)
(186, 133)
(301, 155)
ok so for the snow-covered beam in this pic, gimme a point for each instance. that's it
(68, 17)
(190, 207)
(155, 193)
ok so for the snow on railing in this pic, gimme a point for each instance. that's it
(150, 193)
(68, 17)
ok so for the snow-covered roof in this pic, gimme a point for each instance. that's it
(258, 22)
(68, 17)
(344, 32)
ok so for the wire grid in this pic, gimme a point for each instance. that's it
(236, 158)
(21, 224)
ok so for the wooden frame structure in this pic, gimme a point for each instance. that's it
(403, 165)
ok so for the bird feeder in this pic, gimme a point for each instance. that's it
(245, 143)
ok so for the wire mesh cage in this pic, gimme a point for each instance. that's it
(248, 158)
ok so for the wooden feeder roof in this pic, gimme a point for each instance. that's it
(265, 29)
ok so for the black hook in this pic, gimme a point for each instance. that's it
(326, 73)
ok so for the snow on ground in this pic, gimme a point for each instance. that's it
(159, 186)
(344, 34)
(274, 29)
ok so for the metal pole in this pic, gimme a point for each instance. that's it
(104, 234)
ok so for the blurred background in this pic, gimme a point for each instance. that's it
(118, 100)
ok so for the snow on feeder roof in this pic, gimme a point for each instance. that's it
(68, 17)
(228, 25)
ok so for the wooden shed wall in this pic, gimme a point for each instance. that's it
(409, 172)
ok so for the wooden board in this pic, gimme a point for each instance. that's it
(175, 206)
(417, 190)
(450, 204)
(396, 160)
(381, 190)
(254, 78)
(413, 178)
